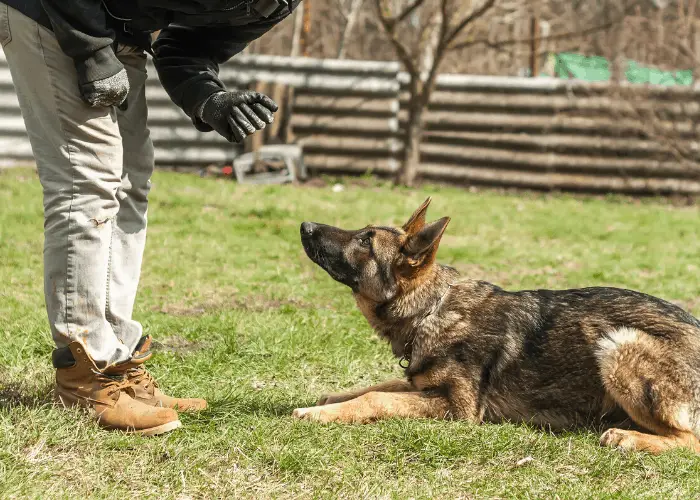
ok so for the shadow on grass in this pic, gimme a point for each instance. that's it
(17, 395)
(231, 407)
(14, 395)
(276, 405)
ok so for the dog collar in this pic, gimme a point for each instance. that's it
(405, 360)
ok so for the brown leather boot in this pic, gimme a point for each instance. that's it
(110, 397)
(144, 385)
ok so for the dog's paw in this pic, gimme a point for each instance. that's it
(321, 415)
(311, 414)
(620, 439)
(299, 413)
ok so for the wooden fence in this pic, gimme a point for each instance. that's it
(556, 134)
(516, 132)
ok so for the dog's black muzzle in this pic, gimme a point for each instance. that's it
(325, 246)
(307, 229)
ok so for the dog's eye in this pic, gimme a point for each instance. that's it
(365, 241)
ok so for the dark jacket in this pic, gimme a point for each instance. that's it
(196, 36)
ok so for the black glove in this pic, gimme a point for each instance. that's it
(102, 79)
(237, 114)
(111, 91)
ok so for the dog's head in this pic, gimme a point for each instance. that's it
(376, 262)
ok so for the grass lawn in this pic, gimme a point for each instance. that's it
(245, 320)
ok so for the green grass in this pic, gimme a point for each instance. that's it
(245, 320)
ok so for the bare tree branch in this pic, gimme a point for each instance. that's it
(445, 37)
(560, 36)
(409, 10)
(518, 41)
(685, 49)
(445, 22)
(296, 33)
(351, 18)
(468, 20)
(394, 20)
(438, 55)
(389, 25)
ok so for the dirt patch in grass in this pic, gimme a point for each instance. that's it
(315, 182)
(255, 303)
(178, 345)
(14, 395)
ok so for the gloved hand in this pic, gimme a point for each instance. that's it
(237, 114)
(111, 91)
(102, 79)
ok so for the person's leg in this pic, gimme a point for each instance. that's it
(129, 237)
(129, 228)
(78, 151)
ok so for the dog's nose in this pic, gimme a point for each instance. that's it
(307, 228)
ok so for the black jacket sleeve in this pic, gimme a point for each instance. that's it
(187, 61)
(187, 58)
(81, 29)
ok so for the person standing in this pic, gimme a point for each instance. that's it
(79, 70)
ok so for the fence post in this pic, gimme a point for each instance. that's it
(534, 45)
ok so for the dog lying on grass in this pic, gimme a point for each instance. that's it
(471, 350)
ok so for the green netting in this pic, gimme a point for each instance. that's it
(636, 73)
(579, 67)
(596, 69)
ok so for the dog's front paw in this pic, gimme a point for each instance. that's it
(300, 413)
(310, 414)
(317, 414)
(618, 438)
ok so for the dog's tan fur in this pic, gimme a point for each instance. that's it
(476, 352)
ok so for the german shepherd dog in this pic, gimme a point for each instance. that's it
(606, 357)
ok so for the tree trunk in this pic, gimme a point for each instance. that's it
(408, 170)
(534, 46)
(695, 44)
(352, 18)
(296, 33)
(306, 28)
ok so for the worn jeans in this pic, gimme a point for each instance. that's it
(95, 166)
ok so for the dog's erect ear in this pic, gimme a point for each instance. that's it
(417, 220)
(422, 246)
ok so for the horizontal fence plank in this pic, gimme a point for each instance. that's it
(558, 181)
(310, 104)
(376, 146)
(558, 124)
(348, 164)
(530, 104)
(15, 148)
(559, 143)
(539, 162)
(547, 85)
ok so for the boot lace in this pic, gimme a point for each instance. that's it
(113, 383)
(140, 376)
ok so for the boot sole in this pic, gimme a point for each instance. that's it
(183, 409)
(161, 429)
(152, 431)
